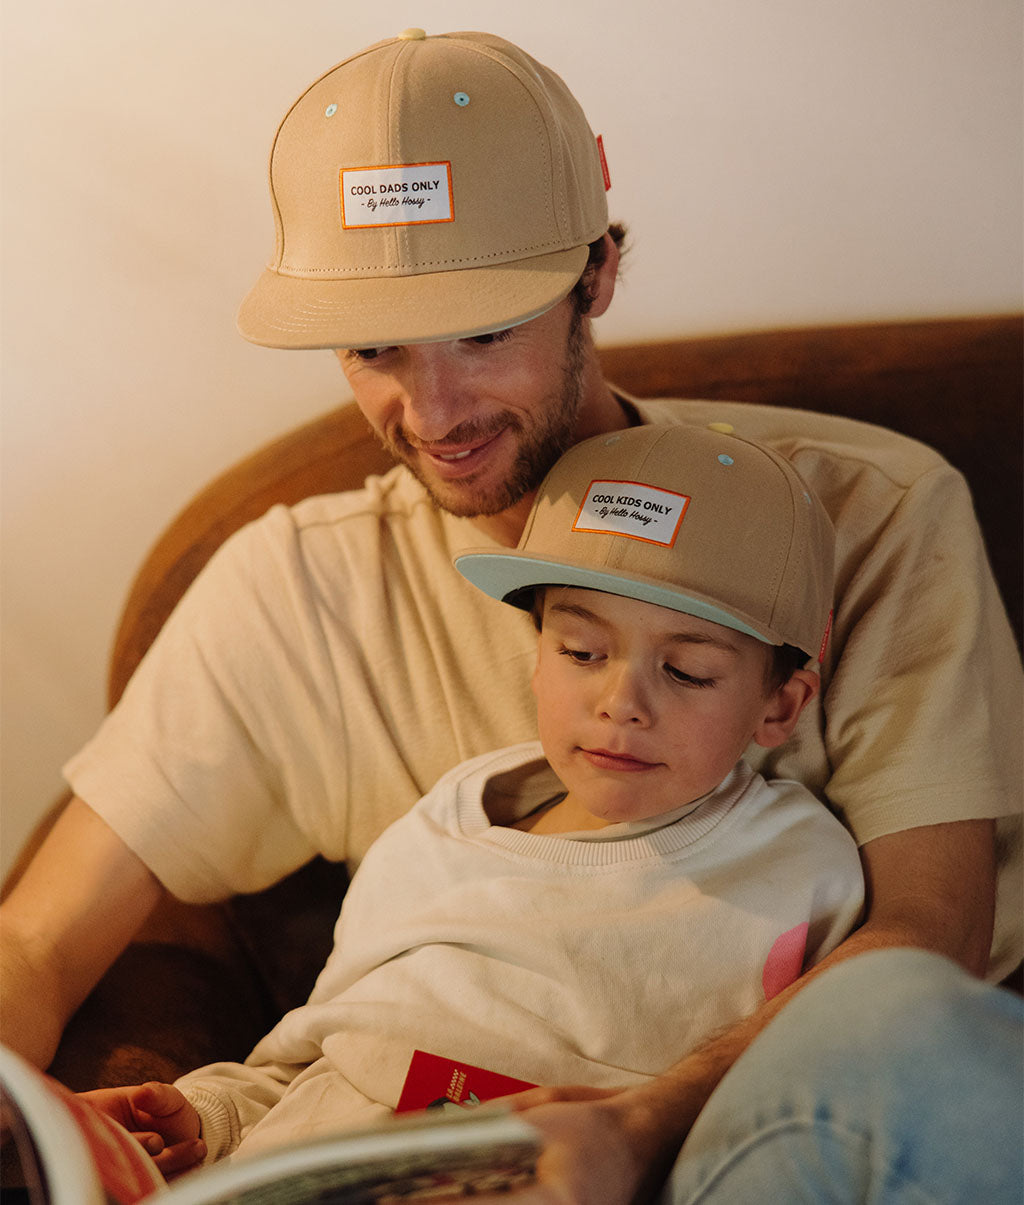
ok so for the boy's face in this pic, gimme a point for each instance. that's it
(642, 709)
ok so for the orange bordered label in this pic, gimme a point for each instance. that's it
(402, 194)
(626, 508)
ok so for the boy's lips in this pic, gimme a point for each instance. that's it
(605, 759)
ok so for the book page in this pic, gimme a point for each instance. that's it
(84, 1157)
(435, 1156)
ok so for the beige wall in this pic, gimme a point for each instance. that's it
(780, 162)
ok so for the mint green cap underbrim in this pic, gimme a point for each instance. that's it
(507, 576)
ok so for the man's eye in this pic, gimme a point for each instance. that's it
(366, 353)
(491, 337)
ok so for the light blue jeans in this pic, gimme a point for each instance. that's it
(894, 1078)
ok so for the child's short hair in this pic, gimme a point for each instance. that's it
(691, 518)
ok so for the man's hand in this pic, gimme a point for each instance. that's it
(160, 1118)
(601, 1147)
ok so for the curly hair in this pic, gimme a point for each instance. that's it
(582, 295)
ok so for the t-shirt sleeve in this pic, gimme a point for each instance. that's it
(923, 711)
(213, 763)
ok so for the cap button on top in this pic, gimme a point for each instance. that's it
(412, 35)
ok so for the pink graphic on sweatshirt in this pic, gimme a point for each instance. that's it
(785, 961)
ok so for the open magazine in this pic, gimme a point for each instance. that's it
(58, 1150)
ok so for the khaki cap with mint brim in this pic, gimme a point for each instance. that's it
(426, 188)
(696, 520)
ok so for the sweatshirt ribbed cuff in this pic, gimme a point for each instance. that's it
(219, 1127)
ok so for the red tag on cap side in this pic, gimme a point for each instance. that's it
(824, 639)
(604, 162)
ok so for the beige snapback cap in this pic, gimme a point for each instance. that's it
(697, 520)
(426, 188)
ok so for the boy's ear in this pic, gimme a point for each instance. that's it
(783, 707)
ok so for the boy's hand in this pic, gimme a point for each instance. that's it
(160, 1118)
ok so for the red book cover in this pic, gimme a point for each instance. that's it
(434, 1082)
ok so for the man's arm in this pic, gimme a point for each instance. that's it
(930, 887)
(80, 901)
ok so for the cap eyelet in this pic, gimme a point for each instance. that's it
(461, 99)
(330, 110)
(726, 460)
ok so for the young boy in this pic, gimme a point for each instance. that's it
(589, 908)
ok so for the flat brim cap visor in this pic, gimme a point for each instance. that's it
(694, 520)
(285, 312)
(427, 188)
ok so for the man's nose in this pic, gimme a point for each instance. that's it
(436, 397)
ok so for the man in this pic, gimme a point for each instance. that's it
(441, 219)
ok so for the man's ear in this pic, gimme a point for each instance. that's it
(602, 284)
(783, 707)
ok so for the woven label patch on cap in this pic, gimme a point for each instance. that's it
(404, 194)
(626, 508)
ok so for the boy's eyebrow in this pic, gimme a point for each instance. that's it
(718, 642)
(580, 612)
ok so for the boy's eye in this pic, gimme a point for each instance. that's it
(579, 656)
(685, 679)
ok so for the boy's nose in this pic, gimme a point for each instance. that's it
(623, 700)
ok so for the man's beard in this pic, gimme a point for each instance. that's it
(538, 446)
